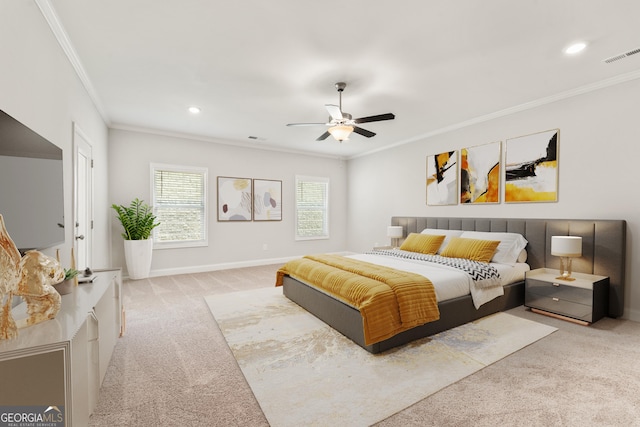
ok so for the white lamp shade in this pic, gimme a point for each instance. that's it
(341, 132)
(395, 231)
(568, 246)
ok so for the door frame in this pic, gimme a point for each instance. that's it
(82, 142)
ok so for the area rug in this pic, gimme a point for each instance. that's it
(303, 372)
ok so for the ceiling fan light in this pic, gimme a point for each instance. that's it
(341, 132)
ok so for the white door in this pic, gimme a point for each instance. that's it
(82, 199)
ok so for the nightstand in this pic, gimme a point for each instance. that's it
(584, 300)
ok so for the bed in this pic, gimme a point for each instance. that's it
(604, 244)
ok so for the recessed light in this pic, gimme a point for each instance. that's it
(194, 110)
(575, 48)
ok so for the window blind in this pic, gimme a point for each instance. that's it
(312, 207)
(180, 204)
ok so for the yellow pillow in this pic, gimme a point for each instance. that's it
(422, 243)
(473, 249)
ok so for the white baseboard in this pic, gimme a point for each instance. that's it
(215, 267)
(632, 315)
(223, 266)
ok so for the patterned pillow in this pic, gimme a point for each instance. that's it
(473, 249)
(422, 243)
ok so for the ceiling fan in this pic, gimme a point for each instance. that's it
(342, 124)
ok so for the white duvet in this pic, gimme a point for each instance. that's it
(450, 282)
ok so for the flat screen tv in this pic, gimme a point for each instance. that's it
(31, 186)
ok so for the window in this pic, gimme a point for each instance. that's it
(312, 208)
(180, 203)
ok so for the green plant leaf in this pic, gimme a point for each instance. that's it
(137, 219)
(70, 273)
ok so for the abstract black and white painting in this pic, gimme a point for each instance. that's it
(442, 179)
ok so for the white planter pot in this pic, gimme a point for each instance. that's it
(137, 254)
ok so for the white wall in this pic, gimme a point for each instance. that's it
(231, 244)
(599, 147)
(39, 88)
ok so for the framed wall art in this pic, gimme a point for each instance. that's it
(267, 200)
(531, 168)
(234, 199)
(442, 179)
(480, 174)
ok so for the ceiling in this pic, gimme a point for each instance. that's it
(253, 66)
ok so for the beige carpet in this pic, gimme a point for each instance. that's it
(303, 372)
(173, 367)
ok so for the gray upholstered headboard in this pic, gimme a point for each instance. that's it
(603, 243)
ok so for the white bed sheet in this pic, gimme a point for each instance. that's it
(450, 282)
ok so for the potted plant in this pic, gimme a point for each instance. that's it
(138, 221)
(69, 282)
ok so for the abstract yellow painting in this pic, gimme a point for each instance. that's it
(531, 168)
(480, 174)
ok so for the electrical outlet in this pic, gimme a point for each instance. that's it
(265, 247)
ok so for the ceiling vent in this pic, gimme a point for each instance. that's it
(622, 55)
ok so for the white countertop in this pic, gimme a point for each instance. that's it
(74, 309)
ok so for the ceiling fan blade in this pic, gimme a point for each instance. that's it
(334, 111)
(378, 118)
(363, 132)
(307, 124)
(323, 136)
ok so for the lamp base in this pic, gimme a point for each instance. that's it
(565, 274)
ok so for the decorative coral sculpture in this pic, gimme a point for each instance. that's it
(38, 275)
(30, 277)
(9, 279)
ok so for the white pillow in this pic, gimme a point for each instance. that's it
(523, 256)
(448, 234)
(511, 244)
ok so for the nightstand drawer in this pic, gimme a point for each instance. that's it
(560, 291)
(560, 306)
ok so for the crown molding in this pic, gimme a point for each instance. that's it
(622, 78)
(203, 138)
(47, 10)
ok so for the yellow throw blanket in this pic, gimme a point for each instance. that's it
(390, 301)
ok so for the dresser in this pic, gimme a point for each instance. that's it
(60, 363)
(584, 300)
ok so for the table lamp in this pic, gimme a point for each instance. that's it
(395, 232)
(567, 248)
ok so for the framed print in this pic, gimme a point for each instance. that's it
(531, 168)
(267, 200)
(234, 199)
(480, 174)
(442, 179)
